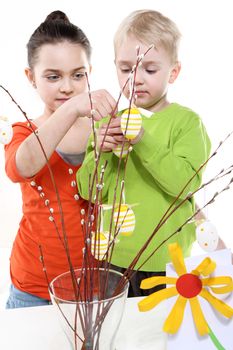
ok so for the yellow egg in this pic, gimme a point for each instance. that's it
(117, 150)
(131, 123)
(99, 245)
(126, 221)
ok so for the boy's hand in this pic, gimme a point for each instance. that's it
(113, 136)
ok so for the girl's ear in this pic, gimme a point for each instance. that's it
(29, 74)
(174, 72)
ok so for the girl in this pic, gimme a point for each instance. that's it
(58, 57)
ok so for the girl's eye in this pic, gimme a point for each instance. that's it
(79, 75)
(52, 77)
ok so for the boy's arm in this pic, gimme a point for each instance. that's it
(172, 167)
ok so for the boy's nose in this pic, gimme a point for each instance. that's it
(66, 86)
(138, 77)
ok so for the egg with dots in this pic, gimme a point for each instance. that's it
(124, 220)
(207, 236)
(99, 245)
(131, 123)
(6, 131)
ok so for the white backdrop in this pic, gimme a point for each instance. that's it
(203, 85)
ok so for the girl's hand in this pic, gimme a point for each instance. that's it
(103, 104)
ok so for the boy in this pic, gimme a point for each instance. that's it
(171, 145)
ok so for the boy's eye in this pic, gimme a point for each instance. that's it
(151, 71)
(125, 70)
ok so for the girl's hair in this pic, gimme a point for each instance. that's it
(55, 29)
(150, 27)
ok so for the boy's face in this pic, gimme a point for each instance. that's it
(152, 77)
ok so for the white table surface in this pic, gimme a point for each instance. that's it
(38, 328)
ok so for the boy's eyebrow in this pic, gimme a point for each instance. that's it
(143, 61)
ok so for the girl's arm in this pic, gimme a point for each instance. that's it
(29, 157)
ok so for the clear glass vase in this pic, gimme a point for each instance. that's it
(90, 306)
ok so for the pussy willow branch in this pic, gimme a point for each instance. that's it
(188, 220)
(170, 211)
(224, 172)
(54, 185)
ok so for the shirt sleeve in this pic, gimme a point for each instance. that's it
(173, 166)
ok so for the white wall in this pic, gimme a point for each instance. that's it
(204, 83)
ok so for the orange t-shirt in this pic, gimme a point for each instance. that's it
(36, 228)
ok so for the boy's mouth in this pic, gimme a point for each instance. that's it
(140, 92)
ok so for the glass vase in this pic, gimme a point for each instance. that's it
(90, 305)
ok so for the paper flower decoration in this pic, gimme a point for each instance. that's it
(131, 123)
(6, 131)
(207, 236)
(124, 218)
(188, 286)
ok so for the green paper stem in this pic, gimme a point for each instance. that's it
(215, 340)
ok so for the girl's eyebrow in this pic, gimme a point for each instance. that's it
(59, 70)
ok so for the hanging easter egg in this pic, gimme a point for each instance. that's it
(127, 148)
(6, 131)
(99, 245)
(131, 123)
(126, 220)
(207, 236)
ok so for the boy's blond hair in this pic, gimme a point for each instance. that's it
(150, 27)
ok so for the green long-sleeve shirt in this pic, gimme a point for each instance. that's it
(174, 145)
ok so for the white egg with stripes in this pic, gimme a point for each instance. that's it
(118, 150)
(124, 220)
(99, 245)
(131, 123)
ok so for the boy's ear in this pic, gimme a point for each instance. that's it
(174, 72)
(29, 74)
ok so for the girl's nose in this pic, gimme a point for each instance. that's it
(66, 86)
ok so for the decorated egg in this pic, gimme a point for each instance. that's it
(207, 236)
(126, 221)
(99, 245)
(117, 150)
(6, 131)
(131, 123)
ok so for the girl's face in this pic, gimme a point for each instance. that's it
(153, 75)
(59, 73)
